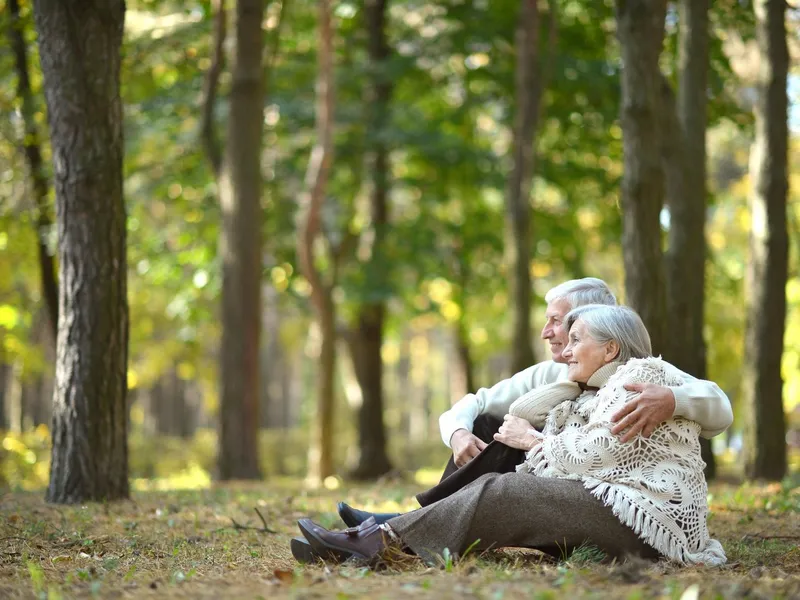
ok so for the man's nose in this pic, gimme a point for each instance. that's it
(547, 332)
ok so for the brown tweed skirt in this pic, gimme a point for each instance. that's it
(518, 510)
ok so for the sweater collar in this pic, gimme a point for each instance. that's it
(600, 377)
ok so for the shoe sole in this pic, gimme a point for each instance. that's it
(303, 551)
(324, 549)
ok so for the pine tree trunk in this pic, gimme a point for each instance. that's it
(33, 155)
(640, 29)
(372, 458)
(518, 209)
(685, 172)
(765, 424)
(240, 196)
(79, 47)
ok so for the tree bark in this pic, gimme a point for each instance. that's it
(765, 425)
(33, 156)
(640, 29)
(208, 133)
(518, 209)
(465, 368)
(240, 245)
(684, 136)
(311, 201)
(79, 47)
(373, 460)
(5, 377)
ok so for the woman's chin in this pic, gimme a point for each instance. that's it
(576, 377)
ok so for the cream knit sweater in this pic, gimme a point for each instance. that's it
(653, 485)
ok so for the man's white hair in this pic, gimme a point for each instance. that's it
(579, 292)
(621, 324)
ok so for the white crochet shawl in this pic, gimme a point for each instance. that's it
(655, 486)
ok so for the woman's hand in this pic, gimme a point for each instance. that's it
(516, 433)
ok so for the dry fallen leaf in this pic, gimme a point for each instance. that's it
(284, 575)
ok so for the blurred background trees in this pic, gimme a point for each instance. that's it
(480, 153)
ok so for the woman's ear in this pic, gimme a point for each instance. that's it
(612, 351)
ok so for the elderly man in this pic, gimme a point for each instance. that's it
(477, 419)
(697, 400)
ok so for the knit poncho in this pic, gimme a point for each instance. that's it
(653, 485)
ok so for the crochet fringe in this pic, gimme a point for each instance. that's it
(651, 531)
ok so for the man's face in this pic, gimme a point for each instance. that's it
(553, 331)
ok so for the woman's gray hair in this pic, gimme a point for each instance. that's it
(614, 323)
(579, 292)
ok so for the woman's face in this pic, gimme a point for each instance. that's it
(585, 355)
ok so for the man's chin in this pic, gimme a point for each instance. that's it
(558, 358)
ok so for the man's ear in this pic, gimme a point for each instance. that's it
(612, 351)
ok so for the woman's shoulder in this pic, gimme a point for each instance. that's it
(647, 370)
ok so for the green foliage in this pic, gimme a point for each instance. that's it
(452, 69)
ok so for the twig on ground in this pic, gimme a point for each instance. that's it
(263, 521)
(264, 529)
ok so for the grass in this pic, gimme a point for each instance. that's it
(211, 543)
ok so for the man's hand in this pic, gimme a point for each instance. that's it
(514, 432)
(654, 405)
(465, 447)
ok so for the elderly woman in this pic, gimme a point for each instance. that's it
(579, 483)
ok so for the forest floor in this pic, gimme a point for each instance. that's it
(212, 543)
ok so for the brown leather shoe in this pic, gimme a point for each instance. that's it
(364, 542)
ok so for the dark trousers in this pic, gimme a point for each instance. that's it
(495, 458)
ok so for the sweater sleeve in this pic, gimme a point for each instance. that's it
(702, 402)
(496, 400)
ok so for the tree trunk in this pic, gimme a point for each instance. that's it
(320, 463)
(464, 370)
(765, 425)
(5, 378)
(372, 458)
(640, 29)
(240, 196)
(311, 201)
(33, 155)
(518, 210)
(684, 130)
(79, 47)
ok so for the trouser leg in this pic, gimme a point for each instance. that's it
(495, 458)
(484, 428)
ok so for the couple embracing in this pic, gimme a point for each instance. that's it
(599, 445)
